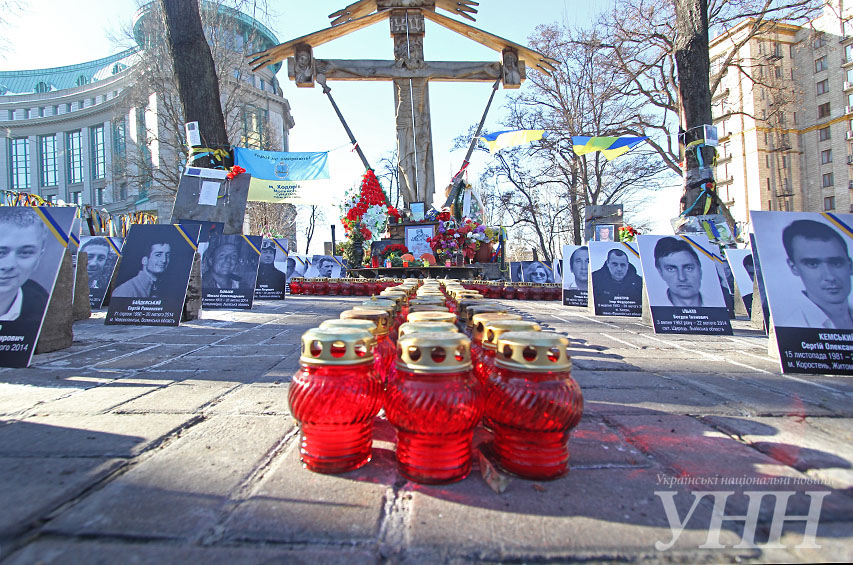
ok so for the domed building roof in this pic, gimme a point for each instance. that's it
(71, 76)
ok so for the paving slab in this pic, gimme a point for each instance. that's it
(185, 396)
(182, 490)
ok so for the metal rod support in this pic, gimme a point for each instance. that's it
(328, 92)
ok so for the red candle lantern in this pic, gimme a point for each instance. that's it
(296, 285)
(532, 403)
(321, 286)
(416, 327)
(434, 402)
(469, 310)
(347, 287)
(537, 291)
(508, 292)
(522, 291)
(479, 318)
(384, 351)
(431, 317)
(387, 306)
(487, 330)
(334, 286)
(335, 397)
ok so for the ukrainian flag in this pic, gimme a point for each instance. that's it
(611, 147)
(510, 138)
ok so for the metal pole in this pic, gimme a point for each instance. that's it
(455, 182)
(333, 239)
(503, 250)
(328, 92)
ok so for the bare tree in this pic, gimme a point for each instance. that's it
(271, 219)
(388, 174)
(8, 10)
(314, 215)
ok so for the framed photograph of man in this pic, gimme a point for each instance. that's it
(151, 282)
(229, 268)
(807, 267)
(684, 291)
(272, 270)
(742, 267)
(605, 232)
(416, 239)
(326, 266)
(536, 272)
(762, 290)
(575, 275)
(617, 281)
(299, 266)
(103, 254)
(32, 244)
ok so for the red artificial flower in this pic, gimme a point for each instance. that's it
(235, 170)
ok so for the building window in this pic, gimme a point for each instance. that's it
(829, 203)
(819, 42)
(42, 87)
(826, 180)
(767, 160)
(19, 159)
(826, 156)
(820, 64)
(47, 159)
(822, 87)
(823, 110)
(784, 161)
(99, 154)
(76, 198)
(778, 72)
(82, 80)
(777, 49)
(99, 197)
(74, 151)
(51, 198)
(823, 134)
(848, 53)
(795, 117)
(254, 131)
(768, 184)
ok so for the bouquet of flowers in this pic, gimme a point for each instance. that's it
(628, 233)
(392, 251)
(464, 237)
(365, 210)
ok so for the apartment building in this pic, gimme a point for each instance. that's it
(784, 113)
(74, 134)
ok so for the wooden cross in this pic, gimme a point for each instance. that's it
(408, 71)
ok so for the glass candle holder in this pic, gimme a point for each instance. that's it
(431, 317)
(335, 396)
(434, 402)
(296, 285)
(508, 292)
(416, 327)
(532, 403)
(384, 350)
(479, 320)
(334, 287)
(522, 291)
(537, 291)
(470, 310)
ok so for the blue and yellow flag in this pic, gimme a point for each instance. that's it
(510, 138)
(610, 147)
(279, 176)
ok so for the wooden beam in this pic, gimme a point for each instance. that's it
(459, 7)
(377, 70)
(530, 57)
(353, 12)
(284, 50)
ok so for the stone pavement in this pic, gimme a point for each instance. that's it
(175, 445)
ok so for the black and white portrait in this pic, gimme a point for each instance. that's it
(102, 255)
(272, 270)
(617, 279)
(536, 272)
(416, 239)
(229, 268)
(151, 282)
(807, 265)
(742, 267)
(683, 285)
(575, 275)
(32, 243)
(324, 266)
(515, 272)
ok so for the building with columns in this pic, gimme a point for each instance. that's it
(784, 113)
(73, 134)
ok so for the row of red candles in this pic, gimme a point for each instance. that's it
(370, 287)
(434, 413)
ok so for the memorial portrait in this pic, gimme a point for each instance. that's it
(683, 285)
(151, 282)
(102, 255)
(515, 272)
(417, 239)
(742, 266)
(324, 266)
(536, 272)
(272, 270)
(32, 244)
(617, 278)
(229, 269)
(605, 232)
(807, 266)
(575, 275)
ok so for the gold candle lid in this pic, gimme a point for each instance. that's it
(427, 300)
(336, 346)
(394, 297)
(365, 325)
(483, 321)
(462, 295)
(380, 302)
(427, 308)
(434, 352)
(407, 328)
(389, 308)
(492, 330)
(532, 351)
(378, 317)
(431, 317)
(479, 307)
(404, 296)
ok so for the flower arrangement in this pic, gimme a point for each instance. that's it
(393, 250)
(627, 233)
(235, 170)
(365, 210)
(464, 237)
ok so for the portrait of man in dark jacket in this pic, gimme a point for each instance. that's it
(617, 281)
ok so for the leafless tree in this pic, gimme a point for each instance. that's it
(272, 219)
(388, 174)
(313, 215)
(8, 10)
